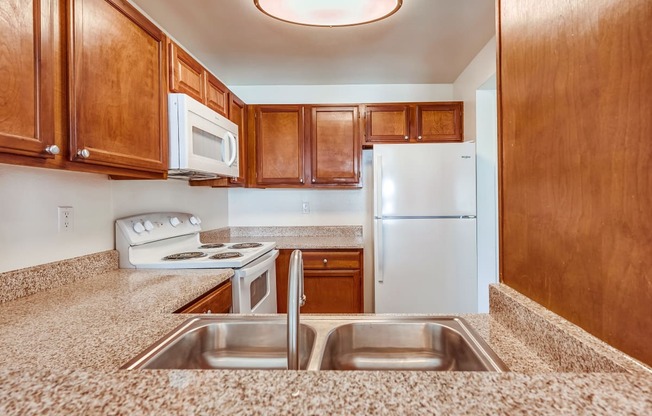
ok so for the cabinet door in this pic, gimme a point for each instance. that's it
(217, 95)
(387, 123)
(280, 145)
(118, 86)
(186, 74)
(218, 300)
(238, 115)
(439, 122)
(335, 145)
(332, 281)
(27, 74)
(332, 291)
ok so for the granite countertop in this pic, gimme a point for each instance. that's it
(61, 350)
(329, 237)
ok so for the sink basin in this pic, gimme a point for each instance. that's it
(205, 343)
(404, 345)
(327, 342)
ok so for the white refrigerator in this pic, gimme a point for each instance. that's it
(425, 257)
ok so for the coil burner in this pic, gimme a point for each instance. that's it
(215, 245)
(246, 245)
(227, 255)
(185, 256)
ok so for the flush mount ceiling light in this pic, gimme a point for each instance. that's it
(329, 13)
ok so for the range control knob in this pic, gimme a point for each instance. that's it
(194, 220)
(148, 225)
(139, 227)
(174, 221)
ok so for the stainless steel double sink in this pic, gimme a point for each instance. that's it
(358, 342)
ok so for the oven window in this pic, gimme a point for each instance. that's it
(258, 290)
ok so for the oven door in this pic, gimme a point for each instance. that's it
(254, 286)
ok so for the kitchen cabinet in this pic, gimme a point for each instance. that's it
(334, 145)
(217, 300)
(304, 146)
(217, 95)
(333, 281)
(279, 145)
(186, 74)
(387, 123)
(189, 77)
(238, 115)
(413, 122)
(117, 87)
(27, 68)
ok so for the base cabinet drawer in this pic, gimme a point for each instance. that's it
(331, 260)
(332, 280)
(217, 300)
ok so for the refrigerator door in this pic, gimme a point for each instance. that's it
(424, 180)
(425, 266)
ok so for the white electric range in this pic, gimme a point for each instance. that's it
(170, 240)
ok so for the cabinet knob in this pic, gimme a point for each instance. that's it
(314, 180)
(419, 138)
(84, 153)
(407, 137)
(52, 149)
(301, 180)
(325, 261)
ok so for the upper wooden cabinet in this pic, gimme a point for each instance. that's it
(334, 145)
(387, 123)
(27, 69)
(413, 123)
(238, 115)
(439, 122)
(186, 74)
(303, 146)
(217, 95)
(280, 145)
(189, 77)
(118, 86)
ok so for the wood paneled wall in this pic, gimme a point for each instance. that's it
(575, 97)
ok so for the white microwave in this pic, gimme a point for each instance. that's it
(203, 143)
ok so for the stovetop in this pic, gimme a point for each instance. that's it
(171, 241)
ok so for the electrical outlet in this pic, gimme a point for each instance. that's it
(65, 219)
(305, 207)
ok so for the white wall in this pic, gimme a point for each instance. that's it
(487, 190)
(28, 230)
(474, 75)
(30, 197)
(343, 94)
(134, 197)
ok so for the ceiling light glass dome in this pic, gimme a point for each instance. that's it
(329, 13)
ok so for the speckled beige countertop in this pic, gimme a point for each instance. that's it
(60, 350)
(329, 237)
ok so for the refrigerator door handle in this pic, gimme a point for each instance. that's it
(378, 251)
(378, 186)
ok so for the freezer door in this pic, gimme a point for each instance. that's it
(424, 180)
(425, 266)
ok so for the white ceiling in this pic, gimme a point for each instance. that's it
(425, 42)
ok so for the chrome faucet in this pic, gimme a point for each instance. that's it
(296, 299)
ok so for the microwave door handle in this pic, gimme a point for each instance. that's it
(234, 146)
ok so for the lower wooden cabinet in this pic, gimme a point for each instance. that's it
(217, 300)
(333, 281)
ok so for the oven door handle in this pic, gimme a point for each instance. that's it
(258, 267)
